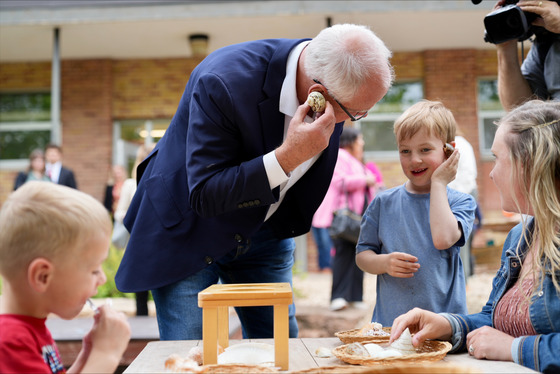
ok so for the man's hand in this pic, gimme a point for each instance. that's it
(305, 140)
(548, 12)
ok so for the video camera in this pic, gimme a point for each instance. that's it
(508, 22)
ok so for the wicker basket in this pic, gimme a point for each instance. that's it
(353, 336)
(431, 350)
(422, 368)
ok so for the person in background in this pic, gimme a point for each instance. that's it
(411, 235)
(465, 181)
(319, 229)
(352, 185)
(539, 75)
(242, 168)
(117, 176)
(126, 193)
(521, 320)
(379, 183)
(53, 240)
(54, 169)
(35, 170)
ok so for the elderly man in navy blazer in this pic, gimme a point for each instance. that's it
(242, 168)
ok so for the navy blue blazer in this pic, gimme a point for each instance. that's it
(67, 178)
(203, 191)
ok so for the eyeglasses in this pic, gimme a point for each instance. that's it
(356, 117)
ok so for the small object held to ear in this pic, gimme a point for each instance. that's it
(448, 149)
(316, 101)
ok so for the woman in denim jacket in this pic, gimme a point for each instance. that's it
(521, 320)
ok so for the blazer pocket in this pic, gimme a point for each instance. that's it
(160, 194)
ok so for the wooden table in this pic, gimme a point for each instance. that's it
(302, 356)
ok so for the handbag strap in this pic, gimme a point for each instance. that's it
(366, 203)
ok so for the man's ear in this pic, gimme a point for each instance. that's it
(39, 275)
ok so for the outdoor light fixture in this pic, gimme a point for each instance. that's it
(199, 44)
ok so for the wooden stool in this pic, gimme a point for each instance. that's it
(216, 300)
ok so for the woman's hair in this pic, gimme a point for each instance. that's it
(344, 57)
(533, 140)
(44, 219)
(348, 136)
(36, 153)
(430, 115)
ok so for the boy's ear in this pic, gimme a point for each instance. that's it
(39, 274)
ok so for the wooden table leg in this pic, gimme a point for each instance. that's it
(281, 336)
(223, 326)
(210, 335)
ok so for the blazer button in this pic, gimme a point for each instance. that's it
(209, 260)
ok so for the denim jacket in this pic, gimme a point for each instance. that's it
(540, 352)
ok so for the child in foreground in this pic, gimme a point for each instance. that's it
(53, 240)
(411, 235)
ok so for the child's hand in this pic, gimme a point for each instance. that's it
(447, 171)
(105, 344)
(401, 265)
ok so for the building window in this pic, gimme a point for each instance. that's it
(25, 124)
(130, 134)
(377, 127)
(489, 111)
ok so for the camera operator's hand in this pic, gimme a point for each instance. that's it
(548, 11)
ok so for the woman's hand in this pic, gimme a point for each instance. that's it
(423, 324)
(489, 343)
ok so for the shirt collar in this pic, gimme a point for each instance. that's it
(288, 95)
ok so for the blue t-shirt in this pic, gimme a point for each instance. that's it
(399, 221)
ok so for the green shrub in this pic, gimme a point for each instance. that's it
(110, 266)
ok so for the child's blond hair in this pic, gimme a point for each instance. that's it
(43, 219)
(430, 115)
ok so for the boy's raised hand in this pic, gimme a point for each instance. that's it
(447, 171)
(106, 342)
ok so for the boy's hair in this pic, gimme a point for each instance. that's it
(430, 115)
(44, 219)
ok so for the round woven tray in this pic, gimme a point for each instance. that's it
(417, 368)
(353, 336)
(431, 350)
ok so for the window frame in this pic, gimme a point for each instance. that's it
(24, 126)
(482, 115)
(374, 117)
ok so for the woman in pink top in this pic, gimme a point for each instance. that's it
(351, 176)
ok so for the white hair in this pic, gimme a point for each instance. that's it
(345, 56)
